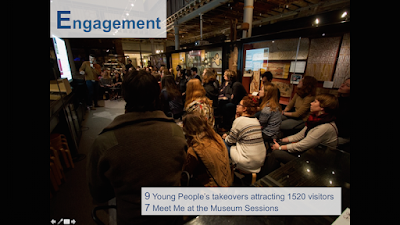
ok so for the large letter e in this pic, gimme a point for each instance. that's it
(59, 19)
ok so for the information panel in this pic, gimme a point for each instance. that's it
(242, 201)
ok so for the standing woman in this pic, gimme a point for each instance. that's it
(196, 100)
(207, 159)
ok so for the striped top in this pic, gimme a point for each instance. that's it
(270, 121)
(248, 150)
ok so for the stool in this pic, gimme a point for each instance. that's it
(244, 173)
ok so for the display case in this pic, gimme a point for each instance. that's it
(201, 59)
(325, 58)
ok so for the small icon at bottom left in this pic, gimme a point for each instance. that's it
(63, 221)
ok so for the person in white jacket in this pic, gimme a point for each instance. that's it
(245, 143)
(320, 129)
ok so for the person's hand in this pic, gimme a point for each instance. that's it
(224, 136)
(275, 146)
(82, 72)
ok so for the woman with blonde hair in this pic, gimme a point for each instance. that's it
(207, 159)
(270, 117)
(196, 100)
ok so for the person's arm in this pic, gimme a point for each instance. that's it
(83, 68)
(290, 105)
(231, 139)
(314, 137)
(303, 108)
(264, 116)
(296, 137)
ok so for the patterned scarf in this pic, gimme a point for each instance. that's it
(314, 120)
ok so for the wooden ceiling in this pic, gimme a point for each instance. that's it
(218, 20)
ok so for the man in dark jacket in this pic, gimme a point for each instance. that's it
(141, 148)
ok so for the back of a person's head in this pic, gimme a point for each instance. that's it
(329, 102)
(251, 104)
(195, 127)
(194, 69)
(194, 90)
(131, 74)
(209, 77)
(141, 92)
(168, 82)
(268, 75)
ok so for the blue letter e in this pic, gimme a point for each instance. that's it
(59, 19)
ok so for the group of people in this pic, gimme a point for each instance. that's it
(146, 148)
(100, 84)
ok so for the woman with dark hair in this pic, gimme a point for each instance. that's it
(231, 94)
(211, 90)
(171, 98)
(305, 94)
(245, 143)
(207, 158)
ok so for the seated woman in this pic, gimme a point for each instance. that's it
(196, 100)
(270, 117)
(211, 90)
(207, 159)
(117, 82)
(320, 129)
(300, 103)
(171, 98)
(232, 92)
(245, 143)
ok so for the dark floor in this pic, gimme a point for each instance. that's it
(73, 200)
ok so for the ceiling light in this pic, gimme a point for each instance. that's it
(344, 15)
(317, 21)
